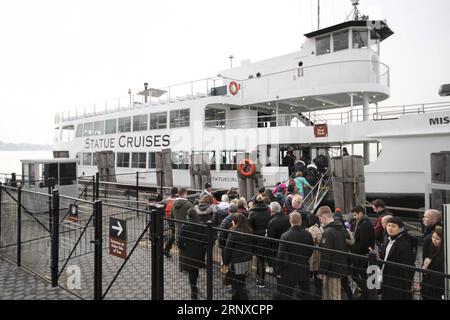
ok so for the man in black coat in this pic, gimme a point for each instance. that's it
(192, 244)
(397, 281)
(292, 267)
(258, 220)
(333, 265)
(278, 225)
(364, 239)
(431, 219)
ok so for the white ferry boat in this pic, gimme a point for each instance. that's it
(316, 101)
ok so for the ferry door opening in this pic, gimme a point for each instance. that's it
(302, 153)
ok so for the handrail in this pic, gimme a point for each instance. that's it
(130, 100)
(334, 118)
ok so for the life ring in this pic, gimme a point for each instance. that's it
(247, 167)
(233, 87)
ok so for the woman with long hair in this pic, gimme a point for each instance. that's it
(433, 285)
(238, 255)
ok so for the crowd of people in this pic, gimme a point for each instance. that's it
(312, 258)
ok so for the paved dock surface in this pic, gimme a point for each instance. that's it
(19, 284)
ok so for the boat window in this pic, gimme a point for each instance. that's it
(323, 45)
(268, 155)
(123, 160)
(212, 160)
(215, 118)
(68, 173)
(125, 124)
(180, 160)
(56, 139)
(50, 171)
(87, 159)
(80, 130)
(99, 128)
(340, 40)
(138, 160)
(140, 122)
(179, 118)
(158, 120)
(88, 129)
(68, 133)
(374, 42)
(110, 126)
(228, 160)
(95, 158)
(360, 39)
(152, 160)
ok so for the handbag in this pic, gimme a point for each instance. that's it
(226, 281)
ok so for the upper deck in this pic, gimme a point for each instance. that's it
(330, 68)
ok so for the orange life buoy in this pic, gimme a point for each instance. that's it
(233, 87)
(247, 167)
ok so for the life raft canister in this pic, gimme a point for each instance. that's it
(233, 87)
(247, 167)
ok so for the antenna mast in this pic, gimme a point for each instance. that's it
(356, 12)
(318, 14)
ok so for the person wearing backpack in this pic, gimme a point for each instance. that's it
(168, 209)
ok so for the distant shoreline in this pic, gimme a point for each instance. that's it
(24, 147)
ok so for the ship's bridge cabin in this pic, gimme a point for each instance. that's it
(333, 64)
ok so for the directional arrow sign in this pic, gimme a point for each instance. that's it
(118, 237)
(118, 228)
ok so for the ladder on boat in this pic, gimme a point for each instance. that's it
(315, 196)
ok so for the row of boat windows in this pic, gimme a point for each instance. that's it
(147, 160)
(339, 41)
(142, 122)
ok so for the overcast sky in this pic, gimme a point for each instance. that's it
(56, 55)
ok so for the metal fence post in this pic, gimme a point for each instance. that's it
(157, 252)
(373, 293)
(50, 191)
(19, 226)
(98, 250)
(54, 229)
(209, 260)
(97, 186)
(137, 190)
(162, 185)
(1, 190)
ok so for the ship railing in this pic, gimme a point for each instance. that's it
(191, 90)
(349, 115)
(258, 85)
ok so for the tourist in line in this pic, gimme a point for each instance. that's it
(278, 224)
(313, 226)
(379, 208)
(398, 248)
(238, 255)
(433, 286)
(259, 218)
(333, 265)
(292, 267)
(179, 210)
(431, 219)
(364, 235)
(168, 208)
(192, 245)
